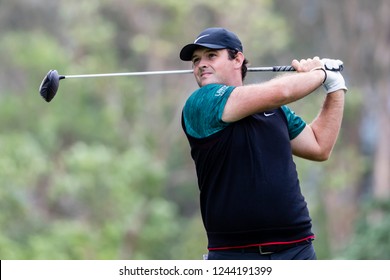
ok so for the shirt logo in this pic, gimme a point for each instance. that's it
(269, 114)
(221, 91)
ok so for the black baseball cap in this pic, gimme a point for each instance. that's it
(212, 38)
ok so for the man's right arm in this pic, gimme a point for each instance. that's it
(247, 100)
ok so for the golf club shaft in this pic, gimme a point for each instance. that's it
(250, 69)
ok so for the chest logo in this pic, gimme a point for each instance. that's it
(269, 114)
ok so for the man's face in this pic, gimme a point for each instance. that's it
(213, 67)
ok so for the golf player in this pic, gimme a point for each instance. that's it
(243, 138)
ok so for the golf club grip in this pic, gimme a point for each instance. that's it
(283, 68)
(271, 69)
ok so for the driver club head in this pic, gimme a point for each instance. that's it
(49, 85)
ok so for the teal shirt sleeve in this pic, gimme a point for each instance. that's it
(204, 108)
(294, 122)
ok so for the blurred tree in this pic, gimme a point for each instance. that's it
(355, 31)
(104, 171)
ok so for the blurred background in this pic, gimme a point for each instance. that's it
(103, 171)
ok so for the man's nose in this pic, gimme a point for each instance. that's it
(202, 63)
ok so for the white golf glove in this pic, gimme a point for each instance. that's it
(334, 80)
(332, 64)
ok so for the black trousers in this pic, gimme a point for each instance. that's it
(300, 252)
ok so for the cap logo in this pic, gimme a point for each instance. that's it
(197, 39)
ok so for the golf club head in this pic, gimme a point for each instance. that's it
(49, 85)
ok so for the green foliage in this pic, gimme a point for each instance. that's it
(372, 239)
(103, 171)
(81, 177)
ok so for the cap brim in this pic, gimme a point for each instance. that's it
(188, 50)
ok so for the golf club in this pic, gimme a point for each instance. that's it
(50, 83)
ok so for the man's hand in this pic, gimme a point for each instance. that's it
(333, 64)
(333, 79)
(307, 65)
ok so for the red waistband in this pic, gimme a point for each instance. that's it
(312, 237)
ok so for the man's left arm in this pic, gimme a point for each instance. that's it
(317, 140)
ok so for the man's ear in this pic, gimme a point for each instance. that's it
(239, 59)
